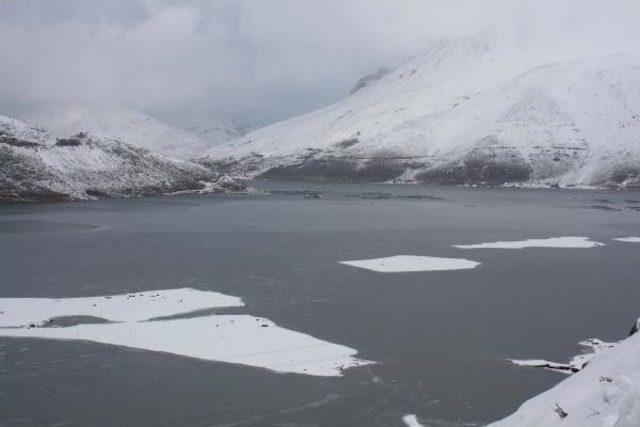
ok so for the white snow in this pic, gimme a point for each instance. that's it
(411, 421)
(215, 130)
(16, 312)
(571, 114)
(117, 122)
(605, 393)
(553, 242)
(628, 239)
(102, 165)
(411, 263)
(238, 339)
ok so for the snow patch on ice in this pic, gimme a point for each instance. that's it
(238, 339)
(629, 239)
(411, 421)
(553, 242)
(411, 263)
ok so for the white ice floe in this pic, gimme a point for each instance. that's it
(411, 421)
(629, 239)
(553, 242)
(410, 263)
(120, 308)
(605, 393)
(575, 364)
(238, 339)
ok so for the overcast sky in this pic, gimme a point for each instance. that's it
(251, 60)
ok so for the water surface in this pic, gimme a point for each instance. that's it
(441, 338)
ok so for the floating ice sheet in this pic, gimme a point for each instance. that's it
(411, 263)
(553, 242)
(239, 339)
(629, 239)
(120, 308)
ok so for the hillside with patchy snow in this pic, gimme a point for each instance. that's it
(483, 109)
(35, 166)
(117, 122)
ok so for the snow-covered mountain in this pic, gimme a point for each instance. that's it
(118, 122)
(35, 166)
(211, 129)
(483, 109)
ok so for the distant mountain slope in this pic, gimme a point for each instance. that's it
(117, 122)
(34, 166)
(478, 110)
(212, 129)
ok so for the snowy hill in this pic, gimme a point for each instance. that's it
(35, 166)
(120, 123)
(484, 109)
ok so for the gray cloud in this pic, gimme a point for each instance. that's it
(255, 60)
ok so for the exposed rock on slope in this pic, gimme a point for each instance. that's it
(479, 110)
(35, 166)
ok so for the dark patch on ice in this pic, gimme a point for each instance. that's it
(605, 208)
(27, 226)
(201, 313)
(67, 321)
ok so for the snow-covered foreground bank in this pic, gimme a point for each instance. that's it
(411, 263)
(605, 393)
(553, 242)
(239, 339)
